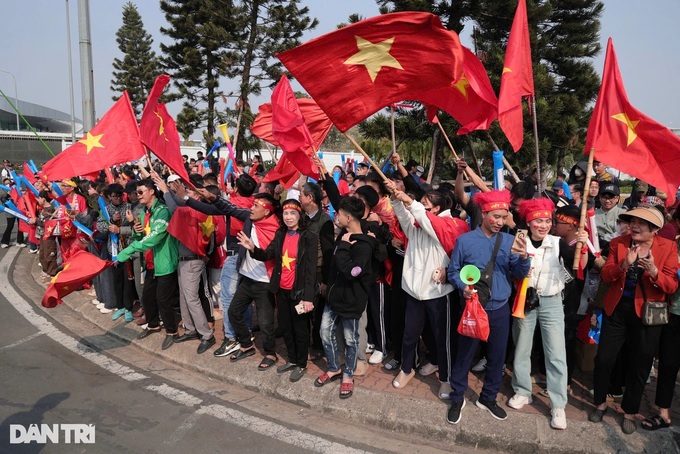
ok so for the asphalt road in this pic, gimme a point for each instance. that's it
(58, 369)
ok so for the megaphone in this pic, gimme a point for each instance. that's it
(470, 274)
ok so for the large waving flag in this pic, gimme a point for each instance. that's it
(114, 140)
(470, 100)
(159, 132)
(192, 229)
(624, 137)
(517, 80)
(357, 70)
(79, 269)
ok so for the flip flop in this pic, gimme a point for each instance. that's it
(325, 378)
(655, 423)
(239, 355)
(346, 390)
(267, 362)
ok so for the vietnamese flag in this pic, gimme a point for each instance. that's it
(470, 100)
(284, 172)
(79, 269)
(28, 173)
(629, 140)
(517, 79)
(159, 132)
(192, 229)
(357, 70)
(115, 139)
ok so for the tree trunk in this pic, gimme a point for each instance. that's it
(242, 103)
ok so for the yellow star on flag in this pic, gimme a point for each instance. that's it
(462, 85)
(286, 260)
(506, 70)
(374, 56)
(207, 226)
(91, 142)
(631, 124)
(56, 276)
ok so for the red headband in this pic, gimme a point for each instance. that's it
(493, 200)
(292, 206)
(264, 204)
(567, 219)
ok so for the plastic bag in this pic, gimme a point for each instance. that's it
(474, 322)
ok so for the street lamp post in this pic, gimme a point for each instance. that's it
(16, 97)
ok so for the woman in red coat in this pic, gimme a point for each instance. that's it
(637, 261)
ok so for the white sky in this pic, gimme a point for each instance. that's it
(34, 49)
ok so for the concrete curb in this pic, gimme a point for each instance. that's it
(525, 433)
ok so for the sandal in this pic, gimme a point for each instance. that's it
(655, 423)
(346, 390)
(628, 426)
(325, 378)
(403, 378)
(239, 355)
(267, 362)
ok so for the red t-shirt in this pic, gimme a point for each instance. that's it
(288, 260)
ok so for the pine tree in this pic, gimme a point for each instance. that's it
(196, 58)
(139, 67)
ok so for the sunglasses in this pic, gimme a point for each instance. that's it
(140, 192)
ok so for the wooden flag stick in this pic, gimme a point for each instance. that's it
(368, 158)
(584, 208)
(455, 155)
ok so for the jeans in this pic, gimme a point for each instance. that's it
(550, 317)
(228, 284)
(350, 328)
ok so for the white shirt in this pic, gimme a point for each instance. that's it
(254, 269)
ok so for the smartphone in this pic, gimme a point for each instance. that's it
(521, 233)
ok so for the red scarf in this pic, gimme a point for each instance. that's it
(241, 202)
(266, 229)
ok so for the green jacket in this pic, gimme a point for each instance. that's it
(164, 245)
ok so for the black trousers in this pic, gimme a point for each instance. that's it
(249, 290)
(378, 315)
(397, 307)
(669, 362)
(123, 288)
(294, 327)
(621, 325)
(6, 236)
(160, 297)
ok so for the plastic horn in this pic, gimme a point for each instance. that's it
(520, 299)
(225, 133)
(498, 180)
(14, 213)
(30, 186)
(470, 275)
(82, 228)
(215, 146)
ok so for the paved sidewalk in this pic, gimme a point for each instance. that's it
(414, 409)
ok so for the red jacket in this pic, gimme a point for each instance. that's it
(665, 253)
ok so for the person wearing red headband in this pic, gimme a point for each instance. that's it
(476, 248)
(293, 281)
(547, 279)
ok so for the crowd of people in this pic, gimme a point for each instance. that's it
(363, 271)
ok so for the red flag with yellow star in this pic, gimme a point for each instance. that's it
(159, 131)
(114, 140)
(79, 269)
(357, 70)
(192, 229)
(470, 100)
(517, 79)
(629, 140)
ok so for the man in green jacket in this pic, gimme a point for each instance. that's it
(160, 250)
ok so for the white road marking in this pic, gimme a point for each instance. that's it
(21, 341)
(252, 423)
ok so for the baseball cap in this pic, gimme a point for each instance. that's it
(640, 186)
(420, 169)
(362, 164)
(610, 188)
(557, 185)
(172, 178)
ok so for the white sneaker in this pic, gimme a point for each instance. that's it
(517, 402)
(96, 301)
(4, 246)
(99, 306)
(370, 348)
(428, 369)
(20, 244)
(559, 419)
(104, 310)
(480, 366)
(376, 357)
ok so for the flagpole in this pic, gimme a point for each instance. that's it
(538, 157)
(505, 161)
(584, 208)
(368, 158)
(455, 155)
(430, 172)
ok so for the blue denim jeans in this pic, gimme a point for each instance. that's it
(350, 329)
(550, 317)
(228, 283)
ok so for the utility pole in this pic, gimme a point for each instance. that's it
(86, 71)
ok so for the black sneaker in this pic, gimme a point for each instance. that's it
(492, 407)
(455, 412)
(228, 346)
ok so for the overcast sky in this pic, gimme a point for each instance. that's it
(34, 49)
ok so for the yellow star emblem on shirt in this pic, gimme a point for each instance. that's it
(462, 86)
(286, 260)
(631, 124)
(91, 141)
(374, 56)
(207, 226)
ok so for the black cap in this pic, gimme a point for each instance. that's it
(557, 185)
(115, 188)
(130, 186)
(362, 164)
(610, 188)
